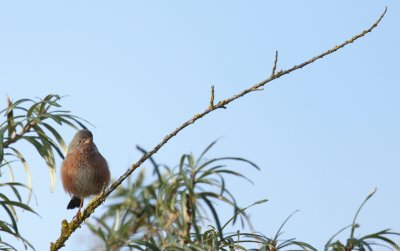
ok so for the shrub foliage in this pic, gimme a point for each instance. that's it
(172, 208)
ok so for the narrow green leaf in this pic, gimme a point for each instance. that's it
(215, 215)
(10, 169)
(148, 245)
(12, 186)
(329, 242)
(2, 131)
(353, 227)
(27, 170)
(58, 137)
(6, 246)
(5, 227)
(77, 119)
(153, 162)
(283, 224)
(184, 212)
(206, 150)
(48, 142)
(18, 204)
(103, 224)
(10, 211)
(235, 174)
(47, 155)
(187, 181)
(10, 119)
(182, 163)
(32, 110)
(65, 121)
(15, 104)
(243, 210)
(303, 245)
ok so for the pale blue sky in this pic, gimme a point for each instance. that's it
(324, 136)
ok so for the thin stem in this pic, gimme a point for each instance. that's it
(212, 97)
(275, 63)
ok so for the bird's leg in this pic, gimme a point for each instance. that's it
(103, 190)
(78, 214)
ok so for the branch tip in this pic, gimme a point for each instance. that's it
(212, 97)
(8, 101)
(275, 63)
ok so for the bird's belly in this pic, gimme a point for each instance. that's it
(83, 182)
(84, 175)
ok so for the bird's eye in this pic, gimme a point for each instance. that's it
(79, 141)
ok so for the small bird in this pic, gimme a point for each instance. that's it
(84, 171)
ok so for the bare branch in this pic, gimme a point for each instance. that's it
(212, 97)
(75, 223)
(275, 63)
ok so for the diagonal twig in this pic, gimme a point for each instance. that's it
(69, 228)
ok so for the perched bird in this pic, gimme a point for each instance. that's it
(84, 170)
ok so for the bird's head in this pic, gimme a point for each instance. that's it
(81, 138)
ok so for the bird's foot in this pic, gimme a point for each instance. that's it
(78, 215)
